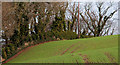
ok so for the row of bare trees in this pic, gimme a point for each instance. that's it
(95, 18)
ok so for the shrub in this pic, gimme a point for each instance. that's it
(7, 49)
(28, 38)
(12, 48)
(22, 43)
(70, 35)
(86, 36)
(4, 55)
(64, 35)
(15, 46)
(49, 36)
(41, 36)
(55, 33)
(34, 36)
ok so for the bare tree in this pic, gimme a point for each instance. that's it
(8, 20)
(98, 21)
(78, 22)
(73, 10)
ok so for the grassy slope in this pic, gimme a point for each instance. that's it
(99, 49)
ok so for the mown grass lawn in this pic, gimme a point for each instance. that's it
(87, 50)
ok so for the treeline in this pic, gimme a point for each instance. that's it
(33, 26)
(30, 23)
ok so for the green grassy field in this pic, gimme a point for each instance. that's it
(87, 50)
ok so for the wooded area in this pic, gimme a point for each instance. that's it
(36, 22)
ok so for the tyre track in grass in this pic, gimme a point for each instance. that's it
(24, 50)
(75, 49)
(85, 58)
(60, 50)
(68, 48)
(110, 57)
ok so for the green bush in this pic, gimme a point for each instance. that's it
(34, 36)
(86, 36)
(28, 38)
(64, 35)
(41, 36)
(69, 35)
(4, 55)
(15, 46)
(49, 36)
(7, 49)
(22, 43)
(12, 48)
